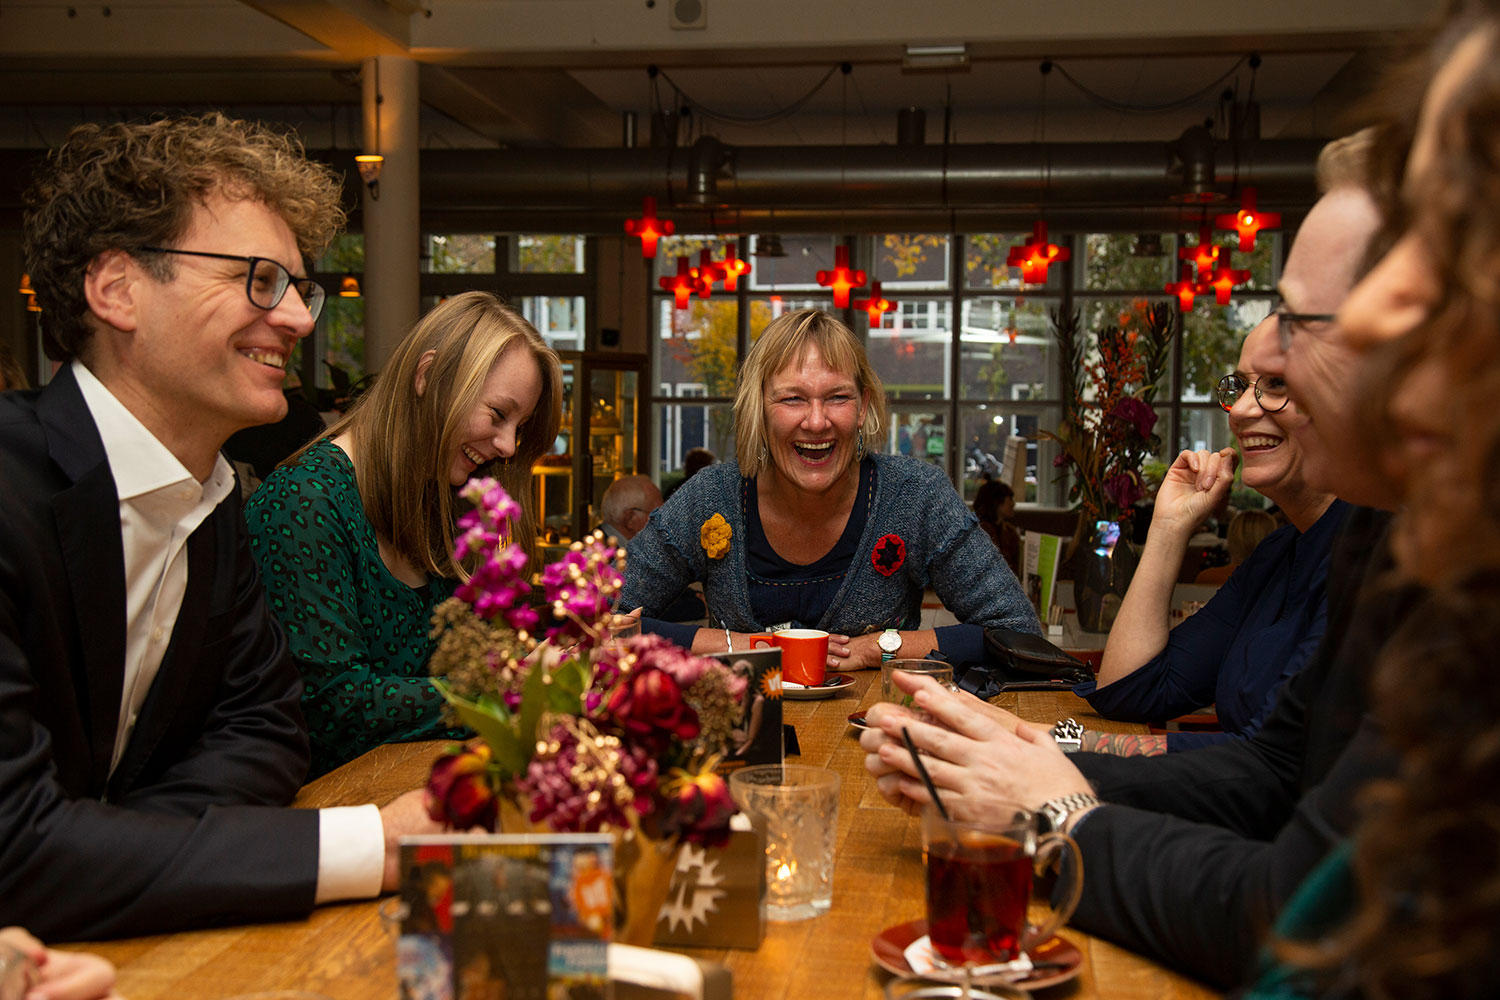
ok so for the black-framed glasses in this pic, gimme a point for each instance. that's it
(266, 281)
(1287, 323)
(1270, 392)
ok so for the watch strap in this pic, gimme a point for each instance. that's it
(1053, 814)
(1068, 735)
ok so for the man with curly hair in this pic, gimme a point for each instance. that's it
(150, 735)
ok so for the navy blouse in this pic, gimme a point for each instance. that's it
(1259, 629)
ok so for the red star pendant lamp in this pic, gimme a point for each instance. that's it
(1247, 221)
(1223, 280)
(649, 228)
(682, 284)
(1186, 289)
(1035, 255)
(732, 267)
(706, 273)
(1205, 255)
(876, 306)
(842, 278)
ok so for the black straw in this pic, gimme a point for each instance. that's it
(926, 778)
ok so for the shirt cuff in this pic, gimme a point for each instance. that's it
(351, 853)
(682, 635)
(963, 645)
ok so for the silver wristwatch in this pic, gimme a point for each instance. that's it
(1068, 735)
(1053, 816)
(889, 643)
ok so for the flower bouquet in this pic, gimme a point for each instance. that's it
(1106, 435)
(580, 733)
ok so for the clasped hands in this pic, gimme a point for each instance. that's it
(978, 755)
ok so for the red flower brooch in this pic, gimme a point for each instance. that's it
(888, 555)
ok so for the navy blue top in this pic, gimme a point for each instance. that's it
(1259, 629)
(786, 595)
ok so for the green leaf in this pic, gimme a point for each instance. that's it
(565, 693)
(495, 725)
(534, 695)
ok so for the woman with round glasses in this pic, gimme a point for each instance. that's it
(1267, 618)
(354, 534)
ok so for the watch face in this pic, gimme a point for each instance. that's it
(889, 641)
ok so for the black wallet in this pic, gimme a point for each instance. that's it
(1020, 661)
(1024, 653)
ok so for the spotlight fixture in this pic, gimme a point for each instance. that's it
(369, 171)
(349, 287)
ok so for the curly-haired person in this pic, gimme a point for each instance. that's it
(149, 723)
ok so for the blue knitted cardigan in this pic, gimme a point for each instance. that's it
(943, 544)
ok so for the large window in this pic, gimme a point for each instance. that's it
(967, 364)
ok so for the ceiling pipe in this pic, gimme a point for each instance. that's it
(862, 177)
(1100, 186)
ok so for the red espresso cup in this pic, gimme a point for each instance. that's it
(979, 885)
(804, 654)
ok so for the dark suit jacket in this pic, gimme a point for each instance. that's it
(187, 832)
(1246, 821)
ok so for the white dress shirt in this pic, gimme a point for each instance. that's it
(161, 504)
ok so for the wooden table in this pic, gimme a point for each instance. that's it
(342, 951)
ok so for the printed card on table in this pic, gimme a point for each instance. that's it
(758, 737)
(518, 916)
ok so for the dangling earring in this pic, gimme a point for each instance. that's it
(765, 457)
(859, 446)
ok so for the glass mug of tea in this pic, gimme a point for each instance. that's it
(979, 886)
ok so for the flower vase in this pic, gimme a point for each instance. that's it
(643, 873)
(643, 877)
(1101, 575)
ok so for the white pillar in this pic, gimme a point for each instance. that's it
(392, 220)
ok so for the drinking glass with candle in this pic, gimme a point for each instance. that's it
(979, 879)
(796, 809)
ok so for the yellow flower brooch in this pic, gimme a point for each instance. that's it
(714, 536)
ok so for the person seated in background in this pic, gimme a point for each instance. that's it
(1265, 621)
(1247, 529)
(1189, 856)
(149, 719)
(695, 461)
(995, 504)
(31, 970)
(354, 534)
(809, 527)
(625, 507)
(1408, 908)
(265, 447)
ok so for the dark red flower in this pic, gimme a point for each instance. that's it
(649, 704)
(1124, 489)
(698, 809)
(461, 790)
(888, 555)
(1135, 412)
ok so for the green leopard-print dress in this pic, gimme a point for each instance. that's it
(358, 634)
